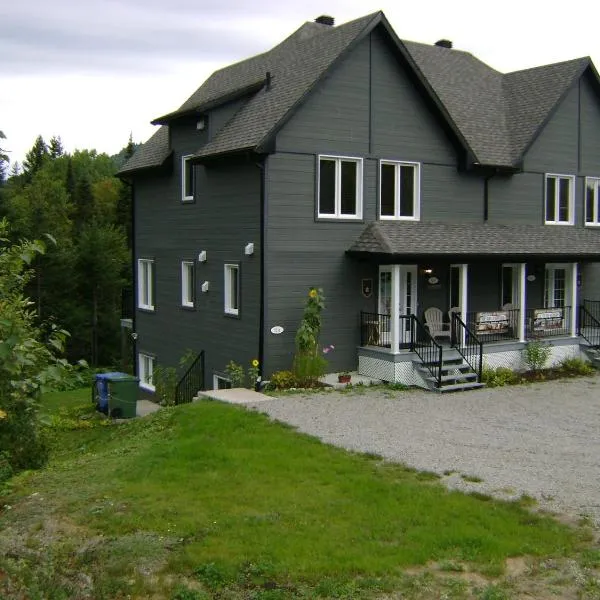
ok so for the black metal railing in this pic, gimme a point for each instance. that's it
(493, 326)
(589, 327)
(593, 308)
(127, 301)
(468, 345)
(427, 349)
(375, 330)
(548, 322)
(191, 382)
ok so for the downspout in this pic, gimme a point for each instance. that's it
(261, 319)
(133, 283)
(486, 194)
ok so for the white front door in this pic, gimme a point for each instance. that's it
(405, 278)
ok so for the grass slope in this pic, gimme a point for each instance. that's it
(210, 500)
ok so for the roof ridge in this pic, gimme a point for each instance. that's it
(554, 64)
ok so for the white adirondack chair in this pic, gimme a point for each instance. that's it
(434, 321)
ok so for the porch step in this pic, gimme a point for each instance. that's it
(593, 353)
(457, 374)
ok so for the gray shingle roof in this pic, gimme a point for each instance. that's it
(497, 116)
(151, 154)
(438, 239)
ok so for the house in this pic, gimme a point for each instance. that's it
(395, 175)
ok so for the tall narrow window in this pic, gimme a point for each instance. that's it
(555, 286)
(592, 199)
(187, 179)
(232, 289)
(187, 283)
(339, 188)
(146, 371)
(399, 193)
(145, 283)
(560, 195)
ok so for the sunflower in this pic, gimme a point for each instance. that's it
(255, 363)
(313, 293)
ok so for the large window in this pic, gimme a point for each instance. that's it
(232, 289)
(560, 196)
(187, 283)
(187, 179)
(145, 283)
(146, 371)
(399, 190)
(340, 188)
(592, 199)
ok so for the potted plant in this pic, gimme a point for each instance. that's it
(344, 377)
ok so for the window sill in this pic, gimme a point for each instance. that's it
(385, 218)
(561, 223)
(147, 309)
(190, 307)
(232, 314)
(592, 224)
(187, 200)
(334, 219)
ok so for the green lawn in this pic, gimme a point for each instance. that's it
(210, 500)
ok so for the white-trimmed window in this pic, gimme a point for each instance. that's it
(399, 190)
(145, 283)
(560, 199)
(146, 371)
(556, 286)
(232, 289)
(188, 179)
(592, 201)
(339, 187)
(187, 283)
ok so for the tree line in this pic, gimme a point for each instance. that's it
(73, 202)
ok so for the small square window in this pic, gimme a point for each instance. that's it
(592, 201)
(188, 179)
(559, 201)
(145, 283)
(399, 190)
(232, 289)
(187, 283)
(146, 371)
(339, 188)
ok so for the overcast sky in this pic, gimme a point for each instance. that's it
(92, 71)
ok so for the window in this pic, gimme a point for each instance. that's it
(555, 292)
(560, 192)
(592, 198)
(187, 283)
(340, 188)
(146, 371)
(187, 179)
(145, 284)
(232, 289)
(399, 190)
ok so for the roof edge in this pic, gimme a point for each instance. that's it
(246, 90)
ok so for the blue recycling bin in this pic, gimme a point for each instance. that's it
(101, 391)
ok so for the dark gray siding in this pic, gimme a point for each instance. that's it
(590, 281)
(302, 254)
(556, 148)
(516, 199)
(590, 129)
(224, 218)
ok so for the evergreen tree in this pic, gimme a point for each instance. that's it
(3, 160)
(125, 201)
(55, 148)
(35, 158)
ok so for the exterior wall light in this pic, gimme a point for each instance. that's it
(205, 286)
(202, 256)
(249, 249)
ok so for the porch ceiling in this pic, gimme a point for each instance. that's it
(386, 239)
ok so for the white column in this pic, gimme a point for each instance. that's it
(464, 303)
(395, 311)
(522, 278)
(574, 300)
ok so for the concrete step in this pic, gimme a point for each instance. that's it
(460, 387)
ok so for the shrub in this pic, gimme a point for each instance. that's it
(499, 377)
(536, 354)
(282, 380)
(573, 366)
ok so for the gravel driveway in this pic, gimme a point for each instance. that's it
(541, 439)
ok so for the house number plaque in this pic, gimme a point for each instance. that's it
(277, 329)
